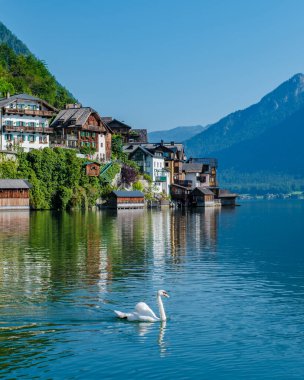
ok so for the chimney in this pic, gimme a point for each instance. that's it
(8, 95)
(172, 143)
(72, 106)
(161, 142)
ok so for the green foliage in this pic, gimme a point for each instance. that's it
(27, 74)
(138, 186)
(57, 177)
(8, 167)
(148, 178)
(117, 144)
(261, 182)
(87, 150)
(8, 38)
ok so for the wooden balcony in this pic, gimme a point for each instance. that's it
(13, 128)
(29, 112)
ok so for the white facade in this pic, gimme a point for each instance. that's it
(23, 125)
(198, 179)
(101, 147)
(154, 166)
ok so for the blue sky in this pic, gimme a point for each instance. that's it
(157, 64)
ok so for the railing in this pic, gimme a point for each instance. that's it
(93, 128)
(30, 112)
(11, 128)
(103, 173)
(186, 183)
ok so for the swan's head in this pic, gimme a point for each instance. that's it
(163, 293)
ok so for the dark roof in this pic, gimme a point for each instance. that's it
(203, 190)
(192, 168)
(5, 101)
(145, 151)
(128, 194)
(91, 162)
(14, 184)
(205, 161)
(180, 186)
(115, 121)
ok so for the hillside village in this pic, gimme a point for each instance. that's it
(164, 173)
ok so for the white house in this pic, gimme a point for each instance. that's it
(24, 121)
(152, 164)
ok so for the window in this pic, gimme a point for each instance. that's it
(8, 137)
(21, 138)
(101, 145)
(31, 138)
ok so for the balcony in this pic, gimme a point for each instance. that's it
(93, 128)
(13, 128)
(29, 112)
(186, 183)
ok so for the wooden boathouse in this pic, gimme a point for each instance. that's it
(14, 194)
(122, 199)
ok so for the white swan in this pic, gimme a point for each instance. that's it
(144, 313)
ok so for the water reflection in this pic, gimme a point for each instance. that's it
(46, 254)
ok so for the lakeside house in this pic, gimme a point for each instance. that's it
(78, 127)
(128, 134)
(25, 122)
(152, 162)
(14, 194)
(122, 199)
(202, 197)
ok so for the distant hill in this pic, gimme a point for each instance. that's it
(22, 72)
(244, 125)
(8, 38)
(260, 147)
(178, 134)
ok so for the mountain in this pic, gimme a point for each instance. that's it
(8, 38)
(251, 122)
(22, 72)
(178, 134)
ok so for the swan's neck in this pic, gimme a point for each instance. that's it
(162, 313)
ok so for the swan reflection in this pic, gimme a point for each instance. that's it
(144, 328)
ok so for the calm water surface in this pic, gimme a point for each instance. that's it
(235, 276)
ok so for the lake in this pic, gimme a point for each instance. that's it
(235, 279)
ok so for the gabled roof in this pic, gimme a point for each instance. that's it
(24, 97)
(115, 121)
(192, 168)
(91, 162)
(14, 184)
(76, 117)
(143, 149)
(128, 194)
(203, 190)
